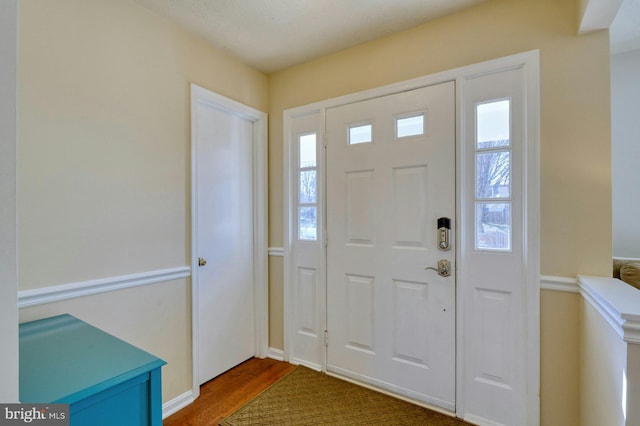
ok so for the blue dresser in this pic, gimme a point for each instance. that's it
(105, 380)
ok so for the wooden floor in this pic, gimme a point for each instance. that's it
(229, 391)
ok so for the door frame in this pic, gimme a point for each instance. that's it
(260, 221)
(530, 62)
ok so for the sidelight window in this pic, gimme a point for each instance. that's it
(307, 187)
(493, 176)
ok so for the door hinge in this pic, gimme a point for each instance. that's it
(325, 238)
(326, 338)
(324, 140)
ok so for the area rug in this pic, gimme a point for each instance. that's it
(307, 397)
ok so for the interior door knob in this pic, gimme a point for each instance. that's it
(201, 261)
(443, 269)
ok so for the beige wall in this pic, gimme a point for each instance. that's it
(559, 358)
(575, 138)
(104, 135)
(103, 168)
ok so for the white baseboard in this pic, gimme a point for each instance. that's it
(277, 354)
(177, 404)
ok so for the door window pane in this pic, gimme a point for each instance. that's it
(308, 223)
(492, 124)
(493, 174)
(360, 134)
(307, 147)
(493, 226)
(410, 126)
(307, 187)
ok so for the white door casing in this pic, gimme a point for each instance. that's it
(228, 233)
(470, 404)
(390, 322)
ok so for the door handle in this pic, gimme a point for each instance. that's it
(443, 269)
(201, 261)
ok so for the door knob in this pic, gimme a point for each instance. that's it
(201, 261)
(443, 269)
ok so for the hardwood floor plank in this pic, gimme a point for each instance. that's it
(231, 390)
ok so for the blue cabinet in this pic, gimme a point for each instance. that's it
(105, 380)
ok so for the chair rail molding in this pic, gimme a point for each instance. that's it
(44, 295)
(566, 284)
(617, 302)
(276, 251)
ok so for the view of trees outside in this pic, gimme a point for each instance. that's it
(308, 214)
(307, 187)
(493, 176)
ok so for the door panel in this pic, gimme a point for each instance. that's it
(224, 164)
(391, 323)
(494, 338)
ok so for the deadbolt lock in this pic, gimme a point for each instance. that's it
(201, 261)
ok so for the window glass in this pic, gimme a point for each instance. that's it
(493, 174)
(307, 185)
(308, 223)
(307, 150)
(492, 124)
(410, 126)
(360, 134)
(493, 226)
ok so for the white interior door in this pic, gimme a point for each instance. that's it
(390, 176)
(225, 239)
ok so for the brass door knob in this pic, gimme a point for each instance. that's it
(443, 269)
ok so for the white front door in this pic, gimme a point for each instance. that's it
(390, 177)
(225, 238)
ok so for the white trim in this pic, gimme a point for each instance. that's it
(275, 353)
(44, 295)
(260, 179)
(530, 61)
(617, 302)
(276, 251)
(569, 285)
(626, 259)
(177, 404)
(596, 15)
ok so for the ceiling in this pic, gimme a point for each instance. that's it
(270, 35)
(273, 34)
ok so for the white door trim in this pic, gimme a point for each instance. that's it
(529, 61)
(260, 267)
